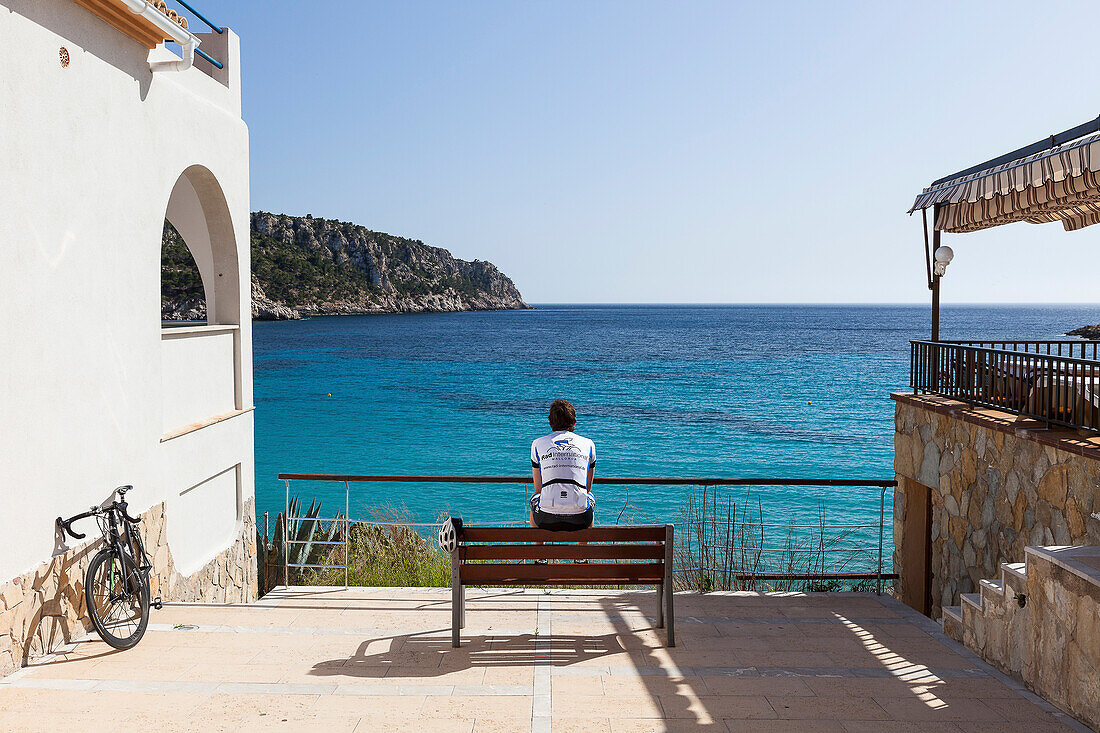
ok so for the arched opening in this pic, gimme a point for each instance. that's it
(202, 289)
(182, 294)
(197, 220)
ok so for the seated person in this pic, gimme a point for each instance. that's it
(563, 465)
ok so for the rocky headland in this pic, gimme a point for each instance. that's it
(303, 266)
(1086, 332)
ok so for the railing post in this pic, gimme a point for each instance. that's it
(881, 522)
(286, 538)
(347, 541)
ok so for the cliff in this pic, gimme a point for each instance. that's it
(303, 266)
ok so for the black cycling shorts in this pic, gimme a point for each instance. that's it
(561, 522)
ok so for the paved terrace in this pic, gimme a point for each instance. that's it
(373, 659)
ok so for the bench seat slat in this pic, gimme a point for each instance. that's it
(561, 581)
(562, 552)
(624, 533)
(626, 573)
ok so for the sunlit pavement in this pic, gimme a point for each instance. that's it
(371, 659)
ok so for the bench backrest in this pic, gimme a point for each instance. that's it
(619, 555)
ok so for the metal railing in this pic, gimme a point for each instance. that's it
(1073, 348)
(209, 24)
(1057, 382)
(741, 547)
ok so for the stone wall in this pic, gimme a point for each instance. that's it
(44, 608)
(1052, 641)
(996, 488)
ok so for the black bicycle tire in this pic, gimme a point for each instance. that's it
(89, 599)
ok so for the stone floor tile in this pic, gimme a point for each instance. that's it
(784, 726)
(780, 686)
(580, 686)
(581, 725)
(479, 707)
(707, 709)
(508, 675)
(644, 725)
(388, 724)
(981, 687)
(894, 726)
(827, 708)
(302, 722)
(863, 686)
(607, 706)
(237, 707)
(790, 658)
(626, 686)
(932, 709)
(1006, 727)
(392, 707)
(495, 725)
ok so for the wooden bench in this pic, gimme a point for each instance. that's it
(620, 555)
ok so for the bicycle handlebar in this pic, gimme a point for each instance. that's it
(122, 510)
(65, 525)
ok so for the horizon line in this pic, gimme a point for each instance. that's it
(818, 303)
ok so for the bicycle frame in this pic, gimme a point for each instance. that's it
(121, 537)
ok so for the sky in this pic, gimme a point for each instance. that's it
(683, 152)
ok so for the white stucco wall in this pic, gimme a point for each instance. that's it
(89, 158)
(197, 374)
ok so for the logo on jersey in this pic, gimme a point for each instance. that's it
(565, 445)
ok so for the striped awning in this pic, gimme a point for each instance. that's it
(1061, 183)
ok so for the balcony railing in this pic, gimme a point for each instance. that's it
(209, 24)
(1057, 382)
(823, 534)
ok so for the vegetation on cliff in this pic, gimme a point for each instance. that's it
(307, 266)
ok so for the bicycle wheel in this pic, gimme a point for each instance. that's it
(118, 603)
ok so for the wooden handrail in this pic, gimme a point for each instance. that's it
(643, 481)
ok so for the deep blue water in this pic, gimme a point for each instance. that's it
(725, 391)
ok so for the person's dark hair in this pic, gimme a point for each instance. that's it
(563, 416)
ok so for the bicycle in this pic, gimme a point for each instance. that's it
(116, 586)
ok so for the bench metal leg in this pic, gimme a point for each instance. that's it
(670, 612)
(456, 601)
(462, 605)
(660, 605)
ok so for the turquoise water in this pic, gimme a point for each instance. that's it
(677, 391)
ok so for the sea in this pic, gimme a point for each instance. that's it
(681, 391)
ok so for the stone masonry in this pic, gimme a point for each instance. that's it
(1040, 622)
(44, 608)
(996, 488)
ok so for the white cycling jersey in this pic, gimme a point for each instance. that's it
(563, 459)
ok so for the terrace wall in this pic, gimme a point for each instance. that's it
(44, 608)
(995, 486)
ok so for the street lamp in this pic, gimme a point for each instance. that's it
(942, 258)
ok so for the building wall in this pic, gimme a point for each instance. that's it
(90, 391)
(994, 490)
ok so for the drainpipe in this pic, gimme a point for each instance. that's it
(187, 40)
(181, 65)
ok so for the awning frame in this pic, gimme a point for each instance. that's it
(1026, 155)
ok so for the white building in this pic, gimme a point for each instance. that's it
(104, 134)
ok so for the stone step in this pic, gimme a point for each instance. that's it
(973, 599)
(1017, 569)
(992, 592)
(952, 622)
